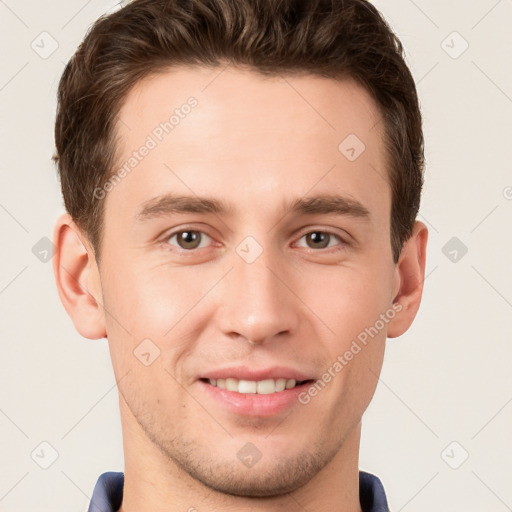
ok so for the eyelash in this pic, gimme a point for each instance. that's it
(168, 237)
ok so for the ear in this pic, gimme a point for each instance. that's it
(78, 280)
(409, 278)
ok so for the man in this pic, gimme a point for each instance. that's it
(242, 181)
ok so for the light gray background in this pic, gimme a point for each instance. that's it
(448, 379)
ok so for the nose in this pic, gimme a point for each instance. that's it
(257, 302)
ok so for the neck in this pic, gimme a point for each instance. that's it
(153, 482)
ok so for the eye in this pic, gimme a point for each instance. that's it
(320, 239)
(188, 239)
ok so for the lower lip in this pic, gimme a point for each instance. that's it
(253, 404)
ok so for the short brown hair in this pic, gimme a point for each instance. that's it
(328, 38)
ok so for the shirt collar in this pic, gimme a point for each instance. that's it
(108, 493)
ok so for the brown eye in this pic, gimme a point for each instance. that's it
(321, 240)
(318, 239)
(187, 239)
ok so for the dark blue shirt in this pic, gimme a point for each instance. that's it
(108, 493)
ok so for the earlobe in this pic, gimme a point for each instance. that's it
(77, 279)
(410, 275)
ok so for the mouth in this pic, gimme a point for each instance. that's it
(255, 392)
(259, 387)
(264, 398)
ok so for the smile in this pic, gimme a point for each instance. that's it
(261, 387)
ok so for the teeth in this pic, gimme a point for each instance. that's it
(247, 386)
(231, 385)
(261, 387)
(290, 383)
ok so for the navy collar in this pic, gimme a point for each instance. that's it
(108, 493)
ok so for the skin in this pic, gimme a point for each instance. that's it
(255, 143)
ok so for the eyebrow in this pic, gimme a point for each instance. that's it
(329, 204)
(169, 204)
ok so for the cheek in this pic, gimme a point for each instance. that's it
(347, 300)
(351, 304)
(353, 355)
(151, 300)
(157, 304)
(146, 320)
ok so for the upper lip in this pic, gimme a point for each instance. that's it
(256, 374)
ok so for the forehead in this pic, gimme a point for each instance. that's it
(292, 105)
(236, 134)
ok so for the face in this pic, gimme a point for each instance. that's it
(249, 242)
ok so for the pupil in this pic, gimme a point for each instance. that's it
(319, 238)
(189, 238)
